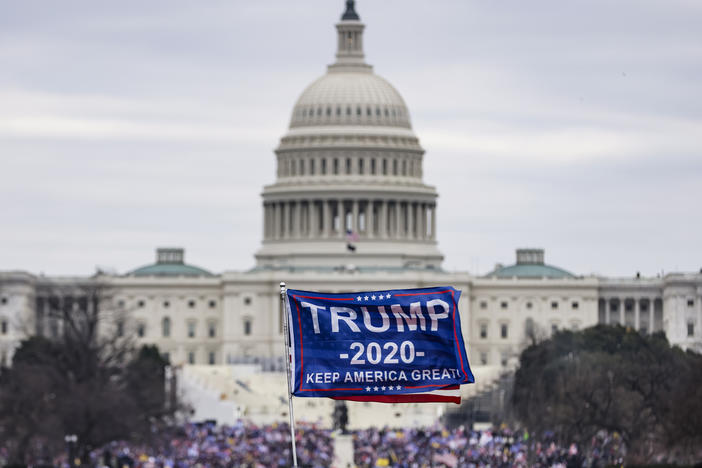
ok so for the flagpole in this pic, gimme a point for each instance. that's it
(286, 342)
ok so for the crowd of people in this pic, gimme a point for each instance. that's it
(252, 446)
(461, 447)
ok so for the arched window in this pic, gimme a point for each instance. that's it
(166, 327)
(247, 326)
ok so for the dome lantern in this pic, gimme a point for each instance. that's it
(349, 52)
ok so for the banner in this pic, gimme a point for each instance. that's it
(376, 345)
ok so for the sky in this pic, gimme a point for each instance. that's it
(571, 126)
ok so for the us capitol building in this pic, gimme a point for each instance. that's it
(349, 210)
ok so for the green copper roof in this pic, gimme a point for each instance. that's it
(170, 269)
(170, 262)
(530, 271)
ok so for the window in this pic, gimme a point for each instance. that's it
(336, 166)
(191, 329)
(628, 306)
(529, 305)
(140, 304)
(312, 166)
(348, 165)
(368, 111)
(120, 328)
(483, 304)
(120, 304)
(503, 304)
(212, 329)
(503, 359)
(358, 111)
(211, 358)
(690, 329)
(503, 330)
(166, 357)
(575, 305)
(247, 327)
(166, 304)
(191, 304)
(360, 166)
(483, 358)
(324, 166)
(373, 166)
(141, 330)
(213, 304)
(385, 166)
(554, 328)
(3, 327)
(483, 330)
(394, 167)
(166, 327)
(191, 357)
(3, 300)
(247, 301)
(348, 111)
(554, 305)
(690, 302)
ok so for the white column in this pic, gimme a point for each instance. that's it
(265, 221)
(410, 220)
(433, 221)
(354, 216)
(340, 214)
(326, 218)
(637, 319)
(396, 232)
(313, 230)
(383, 220)
(608, 312)
(423, 221)
(370, 219)
(286, 220)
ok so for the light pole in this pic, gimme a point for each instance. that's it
(71, 440)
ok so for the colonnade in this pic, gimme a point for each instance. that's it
(333, 218)
(644, 314)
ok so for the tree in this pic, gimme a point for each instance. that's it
(614, 379)
(80, 375)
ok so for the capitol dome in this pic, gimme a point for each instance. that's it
(349, 188)
(350, 98)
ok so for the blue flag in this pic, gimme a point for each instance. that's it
(376, 344)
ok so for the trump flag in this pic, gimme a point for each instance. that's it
(402, 345)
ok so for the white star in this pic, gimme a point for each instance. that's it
(358, 298)
(383, 388)
(368, 389)
(373, 297)
(390, 387)
(365, 298)
(398, 387)
(388, 296)
(375, 388)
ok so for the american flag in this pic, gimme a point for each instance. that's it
(351, 236)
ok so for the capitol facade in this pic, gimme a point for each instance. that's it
(349, 210)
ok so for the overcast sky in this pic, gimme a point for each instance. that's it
(573, 126)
